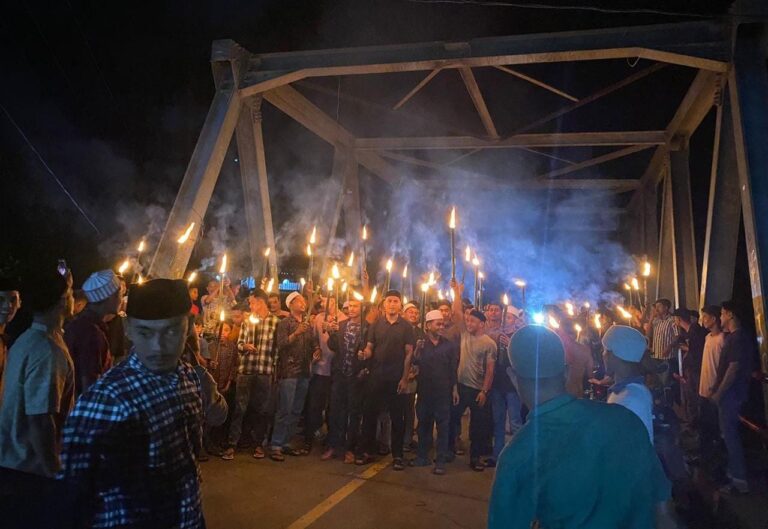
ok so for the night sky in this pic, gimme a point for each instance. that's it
(112, 96)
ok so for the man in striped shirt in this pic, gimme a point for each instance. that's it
(255, 374)
(664, 332)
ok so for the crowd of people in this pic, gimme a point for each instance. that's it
(107, 413)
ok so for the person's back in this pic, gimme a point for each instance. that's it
(578, 464)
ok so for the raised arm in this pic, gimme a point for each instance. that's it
(458, 309)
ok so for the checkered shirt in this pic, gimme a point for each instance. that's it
(130, 445)
(665, 332)
(263, 337)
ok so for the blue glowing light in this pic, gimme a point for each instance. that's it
(538, 318)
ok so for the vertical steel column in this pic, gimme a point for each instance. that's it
(667, 269)
(171, 258)
(748, 89)
(253, 173)
(723, 213)
(685, 244)
(651, 236)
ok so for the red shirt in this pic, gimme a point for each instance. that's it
(86, 339)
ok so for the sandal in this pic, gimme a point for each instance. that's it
(296, 452)
(258, 453)
(277, 455)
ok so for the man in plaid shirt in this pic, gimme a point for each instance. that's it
(255, 374)
(130, 443)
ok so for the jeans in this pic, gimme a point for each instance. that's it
(252, 402)
(291, 393)
(479, 422)
(434, 407)
(384, 396)
(504, 405)
(728, 412)
(317, 402)
(347, 394)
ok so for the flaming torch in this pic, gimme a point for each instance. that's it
(311, 261)
(223, 271)
(364, 261)
(389, 274)
(504, 307)
(140, 249)
(424, 289)
(123, 267)
(481, 277)
(373, 295)
(192, 277)
(636, 287)
(267, 250)
(577, 328)
(336, 276)
(185, 236)
(646, 275)
(452, 229)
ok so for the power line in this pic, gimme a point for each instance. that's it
(632, 11)
(50, 171)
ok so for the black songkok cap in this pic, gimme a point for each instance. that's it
(393, 292)
(159, 299)
(477, 314)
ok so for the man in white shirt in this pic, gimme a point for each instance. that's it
(709, 431)
(624, 349)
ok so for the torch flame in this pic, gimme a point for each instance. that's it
(192, 277)
(440, 294)
(431, 279)
(140, 280)
(405, 300)
(405, 271)
(424, 287)
(467, 254)
(389, 265)
(520, 283)
(635, 284)
(313, 237)
(302, 281)
(309, 249)
(221, 316)
(646, 269)
(223, 268)
(554, 323)
(266, 251)
(624, 312)
(627, 287)
(142, 245)
(475, 261)
(373, 295)
(569, 309)
(577, 328)
(481, 275)
(598, 325)
(587, 305)
(453, 295)
(344, 286)
(365, 232)
(335, 271)
(185, 237)
(505, 299)
(330, 284)
(253, 319)
(452, 223)
(124, 266)
(270, 284)
(357, 295)
(351, 259)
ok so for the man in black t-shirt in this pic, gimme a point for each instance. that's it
(733, 374)
(390, 349)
